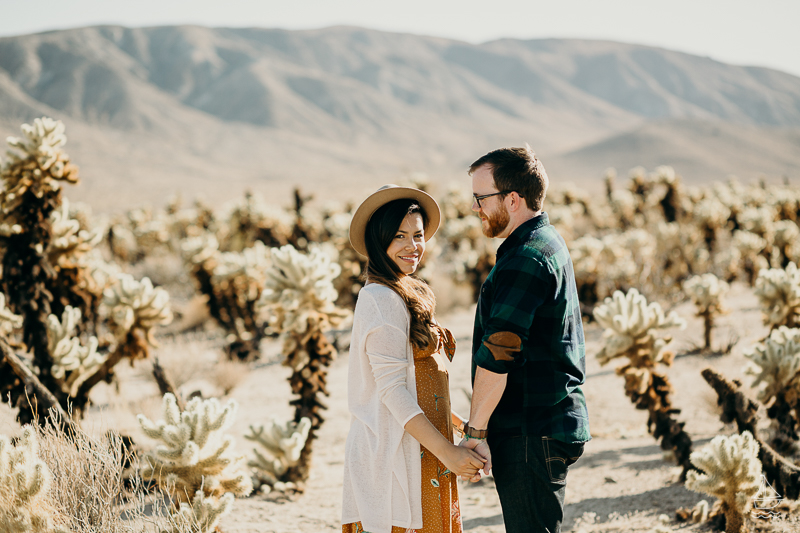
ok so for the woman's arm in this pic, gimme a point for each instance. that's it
(453, 457)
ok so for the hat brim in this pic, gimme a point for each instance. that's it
(383, 196)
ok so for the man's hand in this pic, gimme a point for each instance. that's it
(481, 447)
(463, 462)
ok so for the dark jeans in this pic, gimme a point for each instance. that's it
(530, 474)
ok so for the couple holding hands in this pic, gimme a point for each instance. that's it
(528, 420)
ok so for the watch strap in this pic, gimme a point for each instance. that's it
(472, 433)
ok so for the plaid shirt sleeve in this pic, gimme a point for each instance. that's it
(519, 288)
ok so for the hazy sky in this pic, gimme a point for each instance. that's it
(742, 32)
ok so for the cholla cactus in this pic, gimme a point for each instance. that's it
(779, 293)
(233, 283)
(36, 164)
(631, 324)
(586, 254)
(336, 226)
(253, 221)
(759, 220)
(711, 215)
(787, 242)
(136, 308)
(70, 243)
(751, 247)
(623, 203)
(732, 473)
(24, 484)
(775, 363)
(707, 291)
(8, 320)
(672, 201)
(69, 356)
(300, 296)
(40, 249)
(195, 453)
(202, 516)
(283, 444)
(681, 251)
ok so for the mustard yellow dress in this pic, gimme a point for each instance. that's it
(440, 508)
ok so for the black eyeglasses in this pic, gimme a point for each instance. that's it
(482, 196)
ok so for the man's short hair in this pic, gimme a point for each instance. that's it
(517, 169)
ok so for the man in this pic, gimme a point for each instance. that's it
(528, 356)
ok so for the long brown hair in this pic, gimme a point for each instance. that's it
(418, 297)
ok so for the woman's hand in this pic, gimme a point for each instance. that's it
(461, 461)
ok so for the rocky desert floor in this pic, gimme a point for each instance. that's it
(623, 483)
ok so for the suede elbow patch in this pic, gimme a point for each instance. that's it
(504, 345)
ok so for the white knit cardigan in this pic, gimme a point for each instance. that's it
(382, 468)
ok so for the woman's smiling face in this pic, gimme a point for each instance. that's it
(408, 244)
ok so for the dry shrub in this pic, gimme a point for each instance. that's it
(95, 486)
(87, 478)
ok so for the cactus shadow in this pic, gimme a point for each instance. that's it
(664, 500)
(606, 457)
(483, 521)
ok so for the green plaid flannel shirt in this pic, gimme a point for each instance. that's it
(531, 292)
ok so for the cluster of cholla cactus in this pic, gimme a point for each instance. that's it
(775, 364)
(195, 453)
(24, 485)
(631, 326)
(56, 281)
(730, 230)
(731, 471)
(144, 232)
(707, 292)
(232, 282)
(280, 447)
(300, 297)
(778, 291)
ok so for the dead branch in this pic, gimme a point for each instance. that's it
(42, 393)
(737, 407)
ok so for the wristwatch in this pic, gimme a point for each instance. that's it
(472, 433)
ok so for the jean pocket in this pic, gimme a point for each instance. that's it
(558, 456)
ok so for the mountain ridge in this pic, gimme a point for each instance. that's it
(370, 105)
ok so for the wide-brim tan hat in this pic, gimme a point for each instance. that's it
(383, 196)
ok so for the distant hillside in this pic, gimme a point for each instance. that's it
(157, 110)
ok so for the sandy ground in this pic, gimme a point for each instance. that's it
(622, 483)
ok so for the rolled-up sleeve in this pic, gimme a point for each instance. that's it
(517, 292)
(386, 348)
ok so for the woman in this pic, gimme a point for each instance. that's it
(400, 460)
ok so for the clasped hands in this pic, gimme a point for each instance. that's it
(481, 447)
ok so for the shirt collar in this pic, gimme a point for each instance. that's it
(519, 235)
